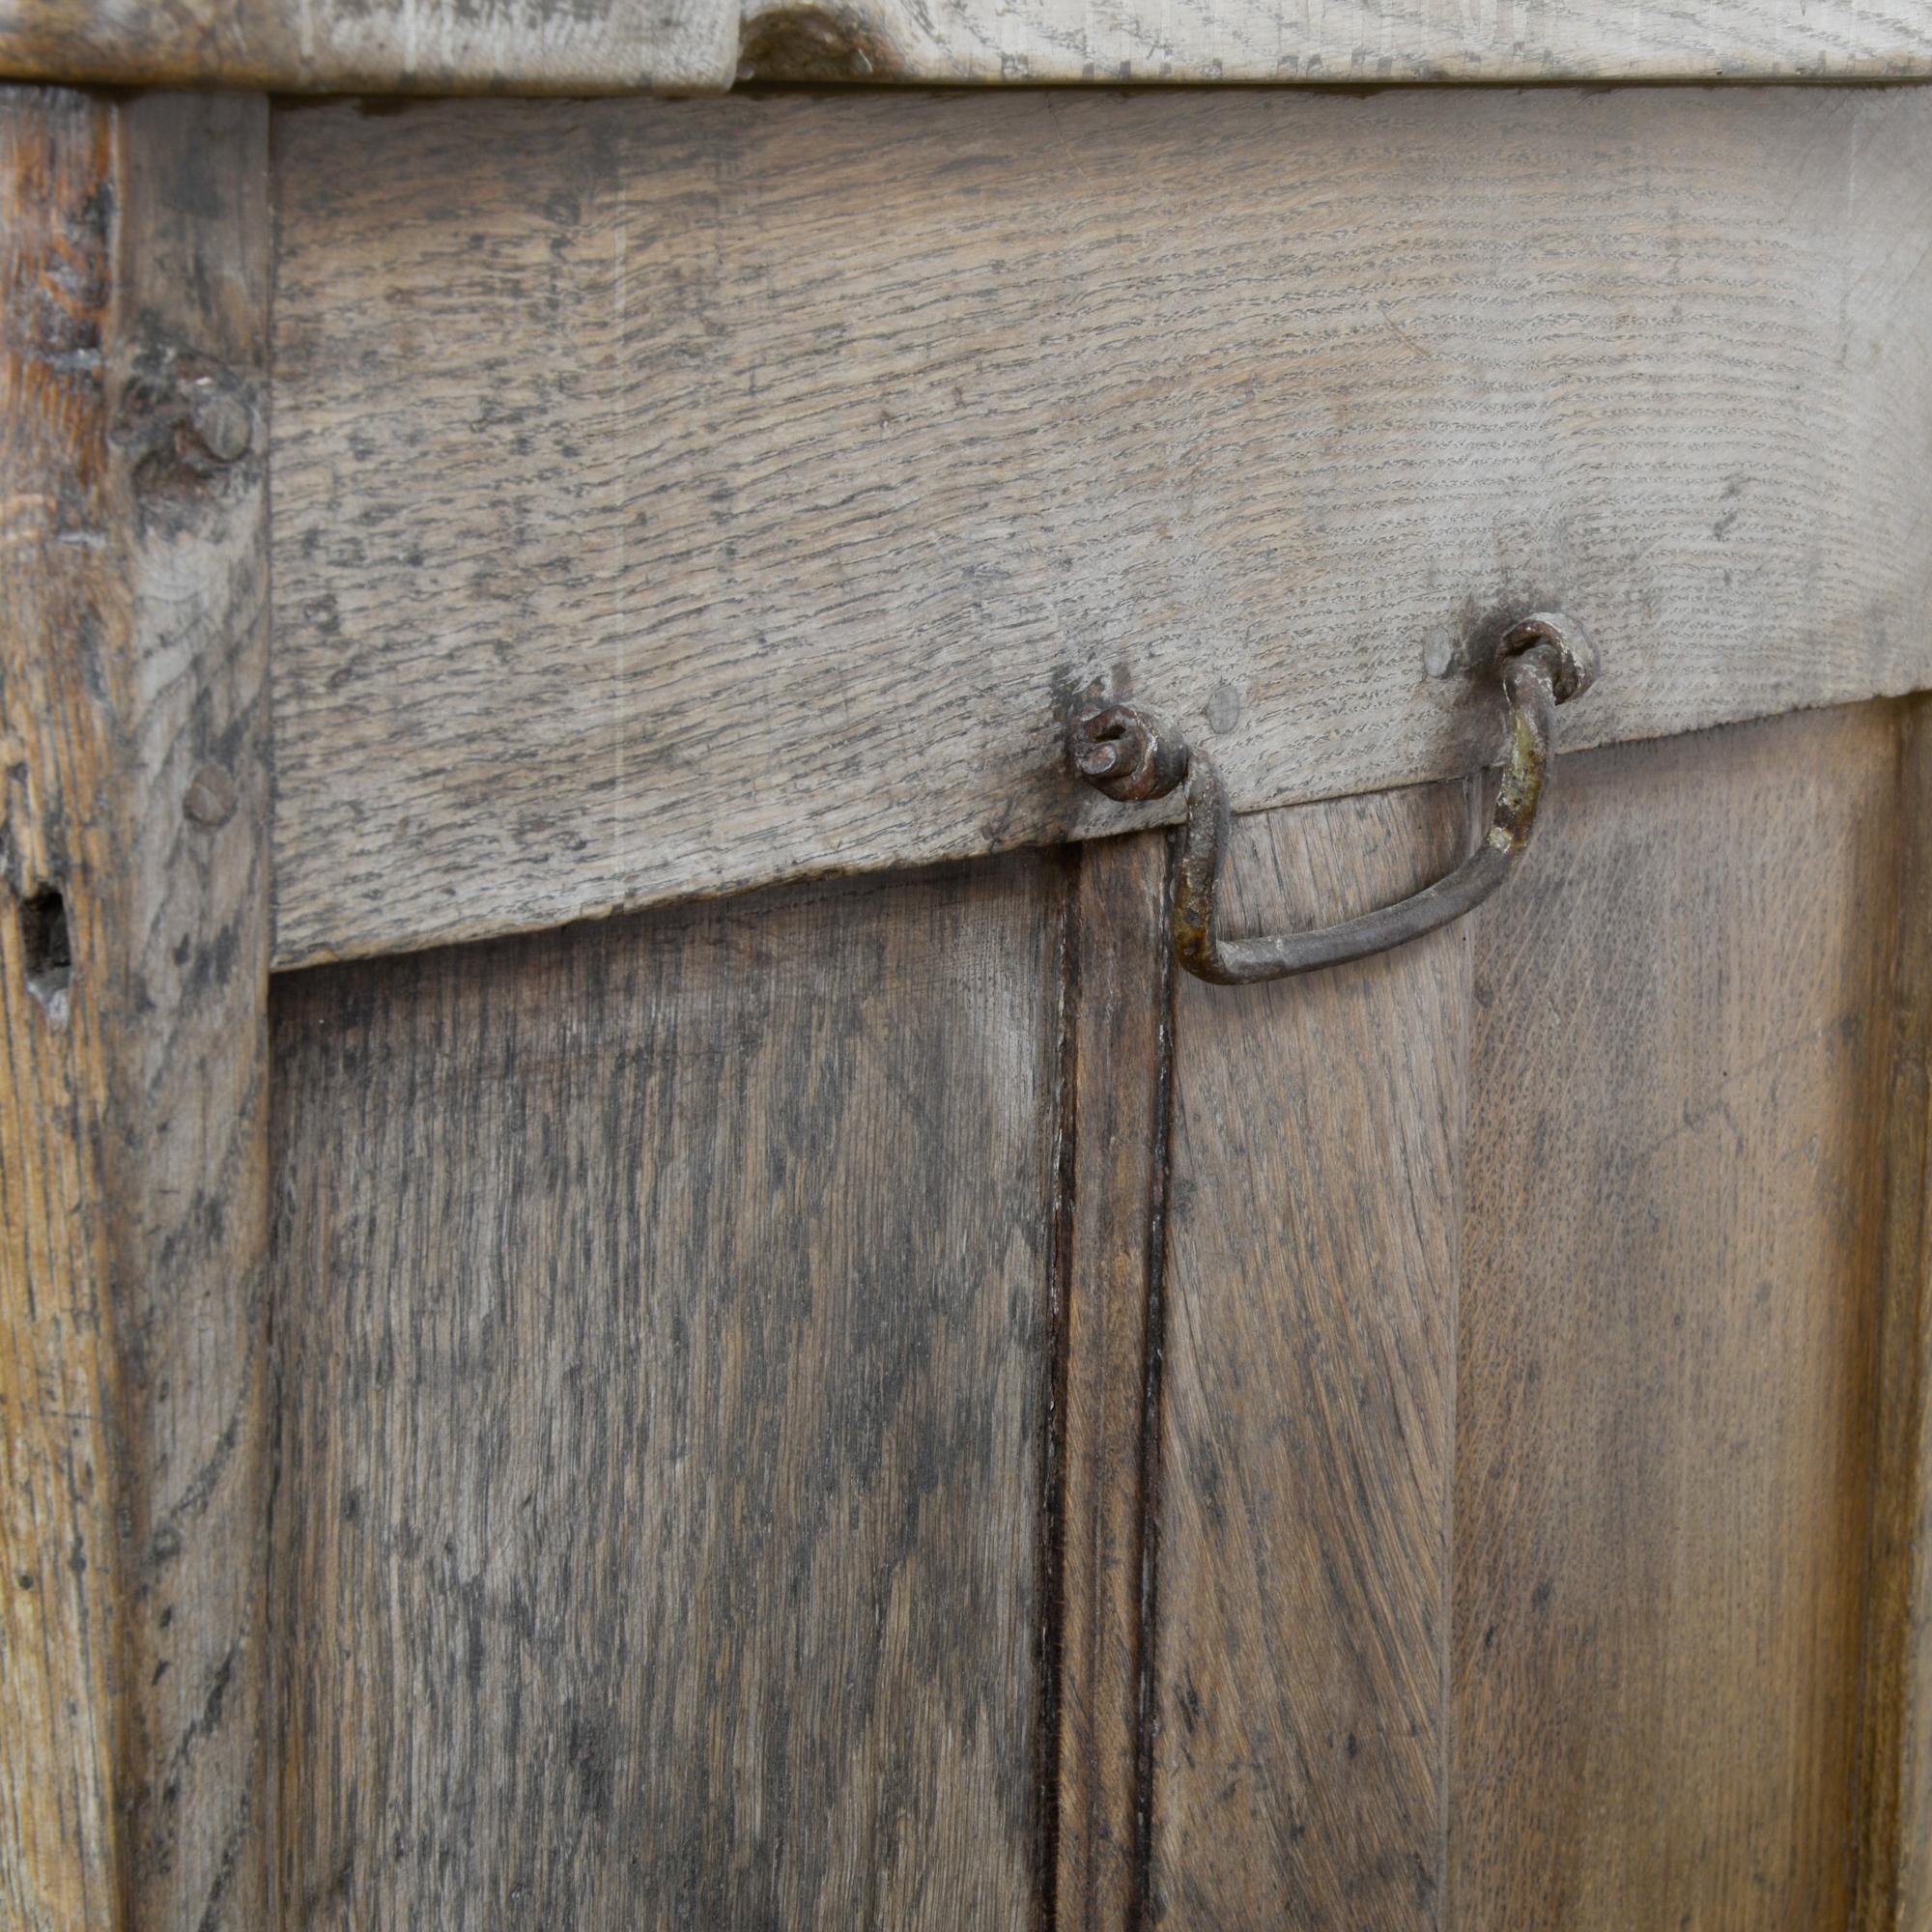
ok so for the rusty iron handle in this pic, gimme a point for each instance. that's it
(1125, 752)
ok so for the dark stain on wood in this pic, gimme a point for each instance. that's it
(814, 44)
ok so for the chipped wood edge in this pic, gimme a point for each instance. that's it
(133, 990)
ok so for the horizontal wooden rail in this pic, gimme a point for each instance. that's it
(674, 497)
(623, 47)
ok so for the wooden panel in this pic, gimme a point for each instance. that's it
(1308, 1389)
(1357, 41)
(133, 990)
(662, 1313)
(1115, 1167)
(592, 46)
(1896, 1814)
(676, 496)
(1665, 1396)
(410, 47)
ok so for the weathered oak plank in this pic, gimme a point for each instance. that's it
(378, 47)
(1356, 41)
(133, 990)
(1120, 988)
(1895, 1842)
(601, 46)
(676, 496)
(1672, 1260)
(1307, 1392)
(664, 1314)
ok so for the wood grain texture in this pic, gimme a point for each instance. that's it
(407, 46)
(663, 1314)
(601, 46)
(1895, 1812)
(676, 496)
(1308, 1394)
(1355, 42)
(1672, 1255)
(1121, 986)
(134, 988)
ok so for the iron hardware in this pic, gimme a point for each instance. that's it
(1125, 752)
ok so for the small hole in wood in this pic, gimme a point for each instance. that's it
(49, 953)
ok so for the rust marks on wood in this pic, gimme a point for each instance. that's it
(132, 998)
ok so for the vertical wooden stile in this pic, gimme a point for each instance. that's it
(134, 981)
(1119, 974)
(1894, 1827)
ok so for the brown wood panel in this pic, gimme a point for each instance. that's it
(1308, 1383)
(676, 496)
(133, 992)
(598, 47)
(1895, 1812)
(1114, 1164)
(1665, 1390)
(661, 1310)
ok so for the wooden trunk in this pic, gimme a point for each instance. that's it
(635, 1292)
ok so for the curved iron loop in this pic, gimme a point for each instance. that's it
(1543, 661)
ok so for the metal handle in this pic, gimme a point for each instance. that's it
(1123, 750)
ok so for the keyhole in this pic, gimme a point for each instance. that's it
(49, 953)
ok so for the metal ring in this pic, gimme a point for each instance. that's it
(1125, 753)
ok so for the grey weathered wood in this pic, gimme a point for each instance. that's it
(1308, 1399)
(601, 46)
(676, 496)
(133, 992)
(1671, 1268)
(663, 1318)
(409, 47)
(1355, 42)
